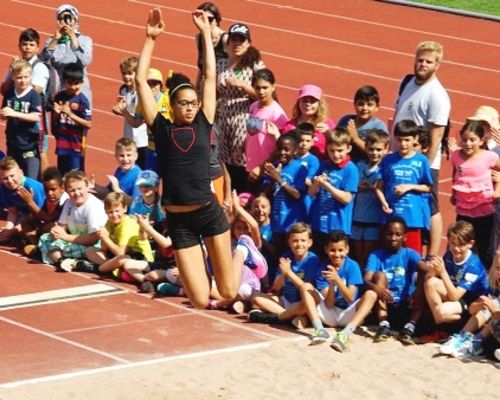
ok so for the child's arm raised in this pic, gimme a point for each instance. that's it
(286, 271)
(208, 105)
(247, 217)
(145, 225)
(275, 174)
(154, 28)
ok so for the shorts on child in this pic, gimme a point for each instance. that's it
(288, 304)
(69, 250)
(186, 227)
(365, 231)
(399, 314)
(335, 316)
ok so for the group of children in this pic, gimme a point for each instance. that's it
(307, 246)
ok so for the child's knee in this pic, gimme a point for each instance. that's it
(380, 279)
(370, 296)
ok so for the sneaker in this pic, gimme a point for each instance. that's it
(255, 260)
(262, 317)
(407, 336)
(30, 250)
(147, 287)
(320, 336)
(470, 347)
(339, 342)
(85, 266)
(453, 343)
(68, 264)
(383, 333)
(167, 289)
(497, 354)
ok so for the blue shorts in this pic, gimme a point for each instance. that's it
(362, 231)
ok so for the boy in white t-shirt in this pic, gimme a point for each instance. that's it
(81, 217)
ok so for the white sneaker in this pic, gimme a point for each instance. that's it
(453, 343)
(497, 354)
(470, 347)
(68, 264)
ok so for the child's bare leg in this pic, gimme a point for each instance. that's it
(95, 255)
(380, 279)
(135, 268)
(219, 251)
(112, 264)
(294, 311)
(475, 323)
(435, 294)
(55, 255)
(310, 300)
(363, 308)
(267, 303)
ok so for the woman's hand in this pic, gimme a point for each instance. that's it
(200, 19)
(321, 127)
(155, 24)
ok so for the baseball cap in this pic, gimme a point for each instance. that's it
(239, 30)
(147, 178)
(311, 90)
(154, 75)
(487, 114)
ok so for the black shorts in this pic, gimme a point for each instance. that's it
(435, 191)
(399, 314)
(186, 228)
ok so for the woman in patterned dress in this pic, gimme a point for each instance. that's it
(234, 96)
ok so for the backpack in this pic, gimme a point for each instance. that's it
(446, 134)
(53, 85)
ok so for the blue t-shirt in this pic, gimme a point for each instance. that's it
(22, 136)
(469, 275)
(311, 162)
(373, 123)
(266, 232)
(154, 211)
(367, 207)
(399, 268)
(328, 213)
(350, 273)
(12, 199)
(413, 207)
(306, 269)
(285, 210)
(126, 180)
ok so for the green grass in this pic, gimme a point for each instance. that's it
(480, 6)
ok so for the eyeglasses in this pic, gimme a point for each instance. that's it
(65, 17)
(211, 19)
(185, 103)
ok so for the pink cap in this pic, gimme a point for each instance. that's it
(311, 90)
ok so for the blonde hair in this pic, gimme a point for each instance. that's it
(18, 66)
(113, 199)
(129, 64)
(75, 175)
(8, 163)
(321, 114)
(338, 137)
(125, 143)
(430, 46)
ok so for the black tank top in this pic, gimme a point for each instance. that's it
(184, 160)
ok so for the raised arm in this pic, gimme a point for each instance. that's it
(209, 82)
(154, 28)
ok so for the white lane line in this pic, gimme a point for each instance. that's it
(187, 356)
(137, 321)
(63, 340)
(364, 21)
(58, 296)
(190, 38)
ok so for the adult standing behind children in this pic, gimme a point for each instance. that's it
(192, 211)
(425, 101)
(234, 96)
(68, 45)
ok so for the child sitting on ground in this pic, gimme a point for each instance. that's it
(119, 238)
(18, 212)
(389, 280)
(81, 217)
(298, 265)
(45, 217)
(147, 203)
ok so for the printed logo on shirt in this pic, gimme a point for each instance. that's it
(74, 106)
(470, 277)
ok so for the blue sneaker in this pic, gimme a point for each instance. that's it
(470, 347)
(255, 260)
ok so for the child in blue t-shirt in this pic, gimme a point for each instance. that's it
(457, 279)
(368, 214)
(18, 212)
(21, 107)
(147, 203)
(125, 176)
(335, 186)
(405, 184)
(334, 301)
(285, 185)
(389, 279)
(298, 265)
(71, 119)
(366, 104)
